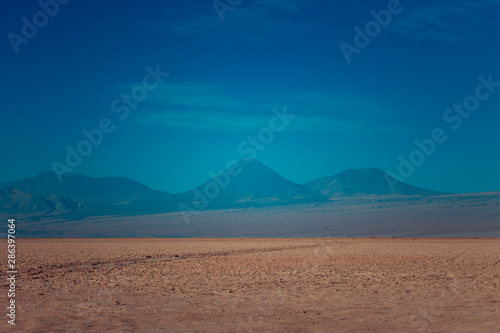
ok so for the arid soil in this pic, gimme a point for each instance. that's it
(255, 285)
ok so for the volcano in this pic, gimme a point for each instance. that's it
(249, 183)
(363, 182)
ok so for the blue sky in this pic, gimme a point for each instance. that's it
(226, 77)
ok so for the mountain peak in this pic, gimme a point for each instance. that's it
(251, 183)
(248, 161)
(368, 181)
(251, 165)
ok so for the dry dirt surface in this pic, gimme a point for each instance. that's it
(255, 285)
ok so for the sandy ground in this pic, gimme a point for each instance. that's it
(255, 285)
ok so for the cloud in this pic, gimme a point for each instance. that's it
(249, 20)
(457, 21)
(287, 5)
(210, 121)
(223, 107)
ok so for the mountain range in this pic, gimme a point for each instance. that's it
(249, 183)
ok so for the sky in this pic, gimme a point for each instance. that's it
(169, 92)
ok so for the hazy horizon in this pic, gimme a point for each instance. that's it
(210, 178)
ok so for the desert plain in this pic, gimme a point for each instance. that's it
(255, 285)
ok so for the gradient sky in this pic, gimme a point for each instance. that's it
(226, 77)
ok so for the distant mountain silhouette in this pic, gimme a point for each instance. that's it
(362, 182)
(14, 202)
(83, 188)
(253, 184)
(78, 194)
(249, 183)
